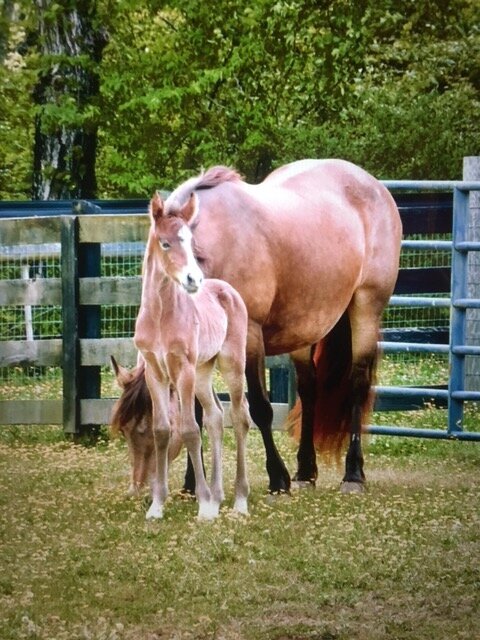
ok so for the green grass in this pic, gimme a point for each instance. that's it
(80, 562)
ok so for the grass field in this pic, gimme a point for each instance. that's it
(79, 561)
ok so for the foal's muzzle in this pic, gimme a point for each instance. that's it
(191, 283)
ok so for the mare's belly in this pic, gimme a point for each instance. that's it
(302, 327)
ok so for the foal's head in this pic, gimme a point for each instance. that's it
(172, 231)
(132, 417)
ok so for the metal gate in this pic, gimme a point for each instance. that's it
(458, 302)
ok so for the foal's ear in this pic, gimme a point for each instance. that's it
(156, 206)
(189, 210)
(122, 374)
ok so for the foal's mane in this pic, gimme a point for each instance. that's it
(206, 180)
(135, 402)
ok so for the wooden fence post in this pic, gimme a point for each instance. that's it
(89, 322)
(471, 172)
(70, 308)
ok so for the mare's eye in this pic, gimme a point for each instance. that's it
(165, 245)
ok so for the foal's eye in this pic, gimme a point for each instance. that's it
(165, 245)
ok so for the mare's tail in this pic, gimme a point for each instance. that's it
(332, 358)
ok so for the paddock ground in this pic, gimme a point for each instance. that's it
(80, 562)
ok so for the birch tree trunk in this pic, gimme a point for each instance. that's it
(71, 45)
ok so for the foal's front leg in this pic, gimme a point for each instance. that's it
(184, 380)
(160, 393)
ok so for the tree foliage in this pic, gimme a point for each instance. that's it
(391, 86)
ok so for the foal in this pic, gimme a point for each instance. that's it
(184, 327)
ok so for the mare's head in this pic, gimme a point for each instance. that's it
(132, 417)
(172, 230)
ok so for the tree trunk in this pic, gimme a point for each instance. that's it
(71, 47)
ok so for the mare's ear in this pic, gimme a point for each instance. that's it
(156, 206)
(122, 374)
(189, 210)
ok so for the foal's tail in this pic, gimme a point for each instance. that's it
(332, 358)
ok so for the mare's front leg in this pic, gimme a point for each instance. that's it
(261, 410)
(159, 390)
(189, 480)
(307, 470)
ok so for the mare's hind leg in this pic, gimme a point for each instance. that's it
(307, 470)
(364, 315)
(261, 410)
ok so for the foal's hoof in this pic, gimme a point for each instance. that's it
(208, 511)
(155, 512)
(352, 487)
(241, 506)
(133, 491)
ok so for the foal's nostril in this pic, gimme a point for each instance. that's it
(191, 280)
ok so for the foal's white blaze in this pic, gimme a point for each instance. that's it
(191, 276)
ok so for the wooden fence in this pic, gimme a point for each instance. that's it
(80, 291)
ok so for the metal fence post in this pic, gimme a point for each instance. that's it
(458, 317)
(471, 172)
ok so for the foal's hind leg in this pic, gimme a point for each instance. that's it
(213, 421)
(233, 372)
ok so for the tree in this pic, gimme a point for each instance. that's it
(254, 84)
(16, 81)
(71, 44)
(257, 84)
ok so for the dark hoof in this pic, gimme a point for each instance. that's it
(302, 479)
(276, 496)
(280, 486)
(303, 484)
(352, 487)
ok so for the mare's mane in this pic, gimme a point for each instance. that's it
(134, 403)
(206, 180)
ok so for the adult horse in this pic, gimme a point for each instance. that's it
(313, 250)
